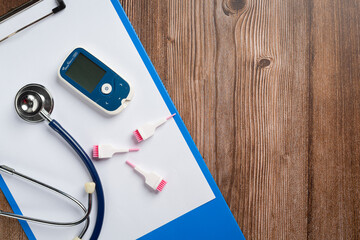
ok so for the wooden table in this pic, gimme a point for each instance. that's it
(270, 92)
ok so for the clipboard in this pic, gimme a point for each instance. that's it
(212, 220)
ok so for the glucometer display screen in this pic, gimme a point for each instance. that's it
(85, 72)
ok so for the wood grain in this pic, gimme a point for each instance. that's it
(248, 79)
(9, 228)
(269, 91)
(334, 120)
(271, 115)
(6, 5)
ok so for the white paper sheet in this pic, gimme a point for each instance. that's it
(34, 56)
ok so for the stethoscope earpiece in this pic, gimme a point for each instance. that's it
(30, 100)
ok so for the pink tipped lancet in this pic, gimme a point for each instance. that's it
(107, 151)
(148, 129)
(153, 180)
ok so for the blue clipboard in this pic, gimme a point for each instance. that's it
(212, 220)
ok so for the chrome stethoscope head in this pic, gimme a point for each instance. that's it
(34, 103)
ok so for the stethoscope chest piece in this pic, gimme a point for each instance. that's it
(30, 100)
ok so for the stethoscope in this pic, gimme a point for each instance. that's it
(34, 103)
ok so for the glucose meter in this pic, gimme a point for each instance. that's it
(95, 81)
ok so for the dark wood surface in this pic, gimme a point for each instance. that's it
(269, 90)
(6, 6)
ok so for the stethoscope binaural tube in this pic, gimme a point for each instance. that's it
(91, 168)
(34, 103)
(12, 171)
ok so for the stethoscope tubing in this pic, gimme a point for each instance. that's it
(34, 103)
(92, 170)
(47, 222)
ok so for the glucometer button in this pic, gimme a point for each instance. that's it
(106, 88)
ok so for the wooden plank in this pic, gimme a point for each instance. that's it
(334, 178)
(268, 196)
(9, 228)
